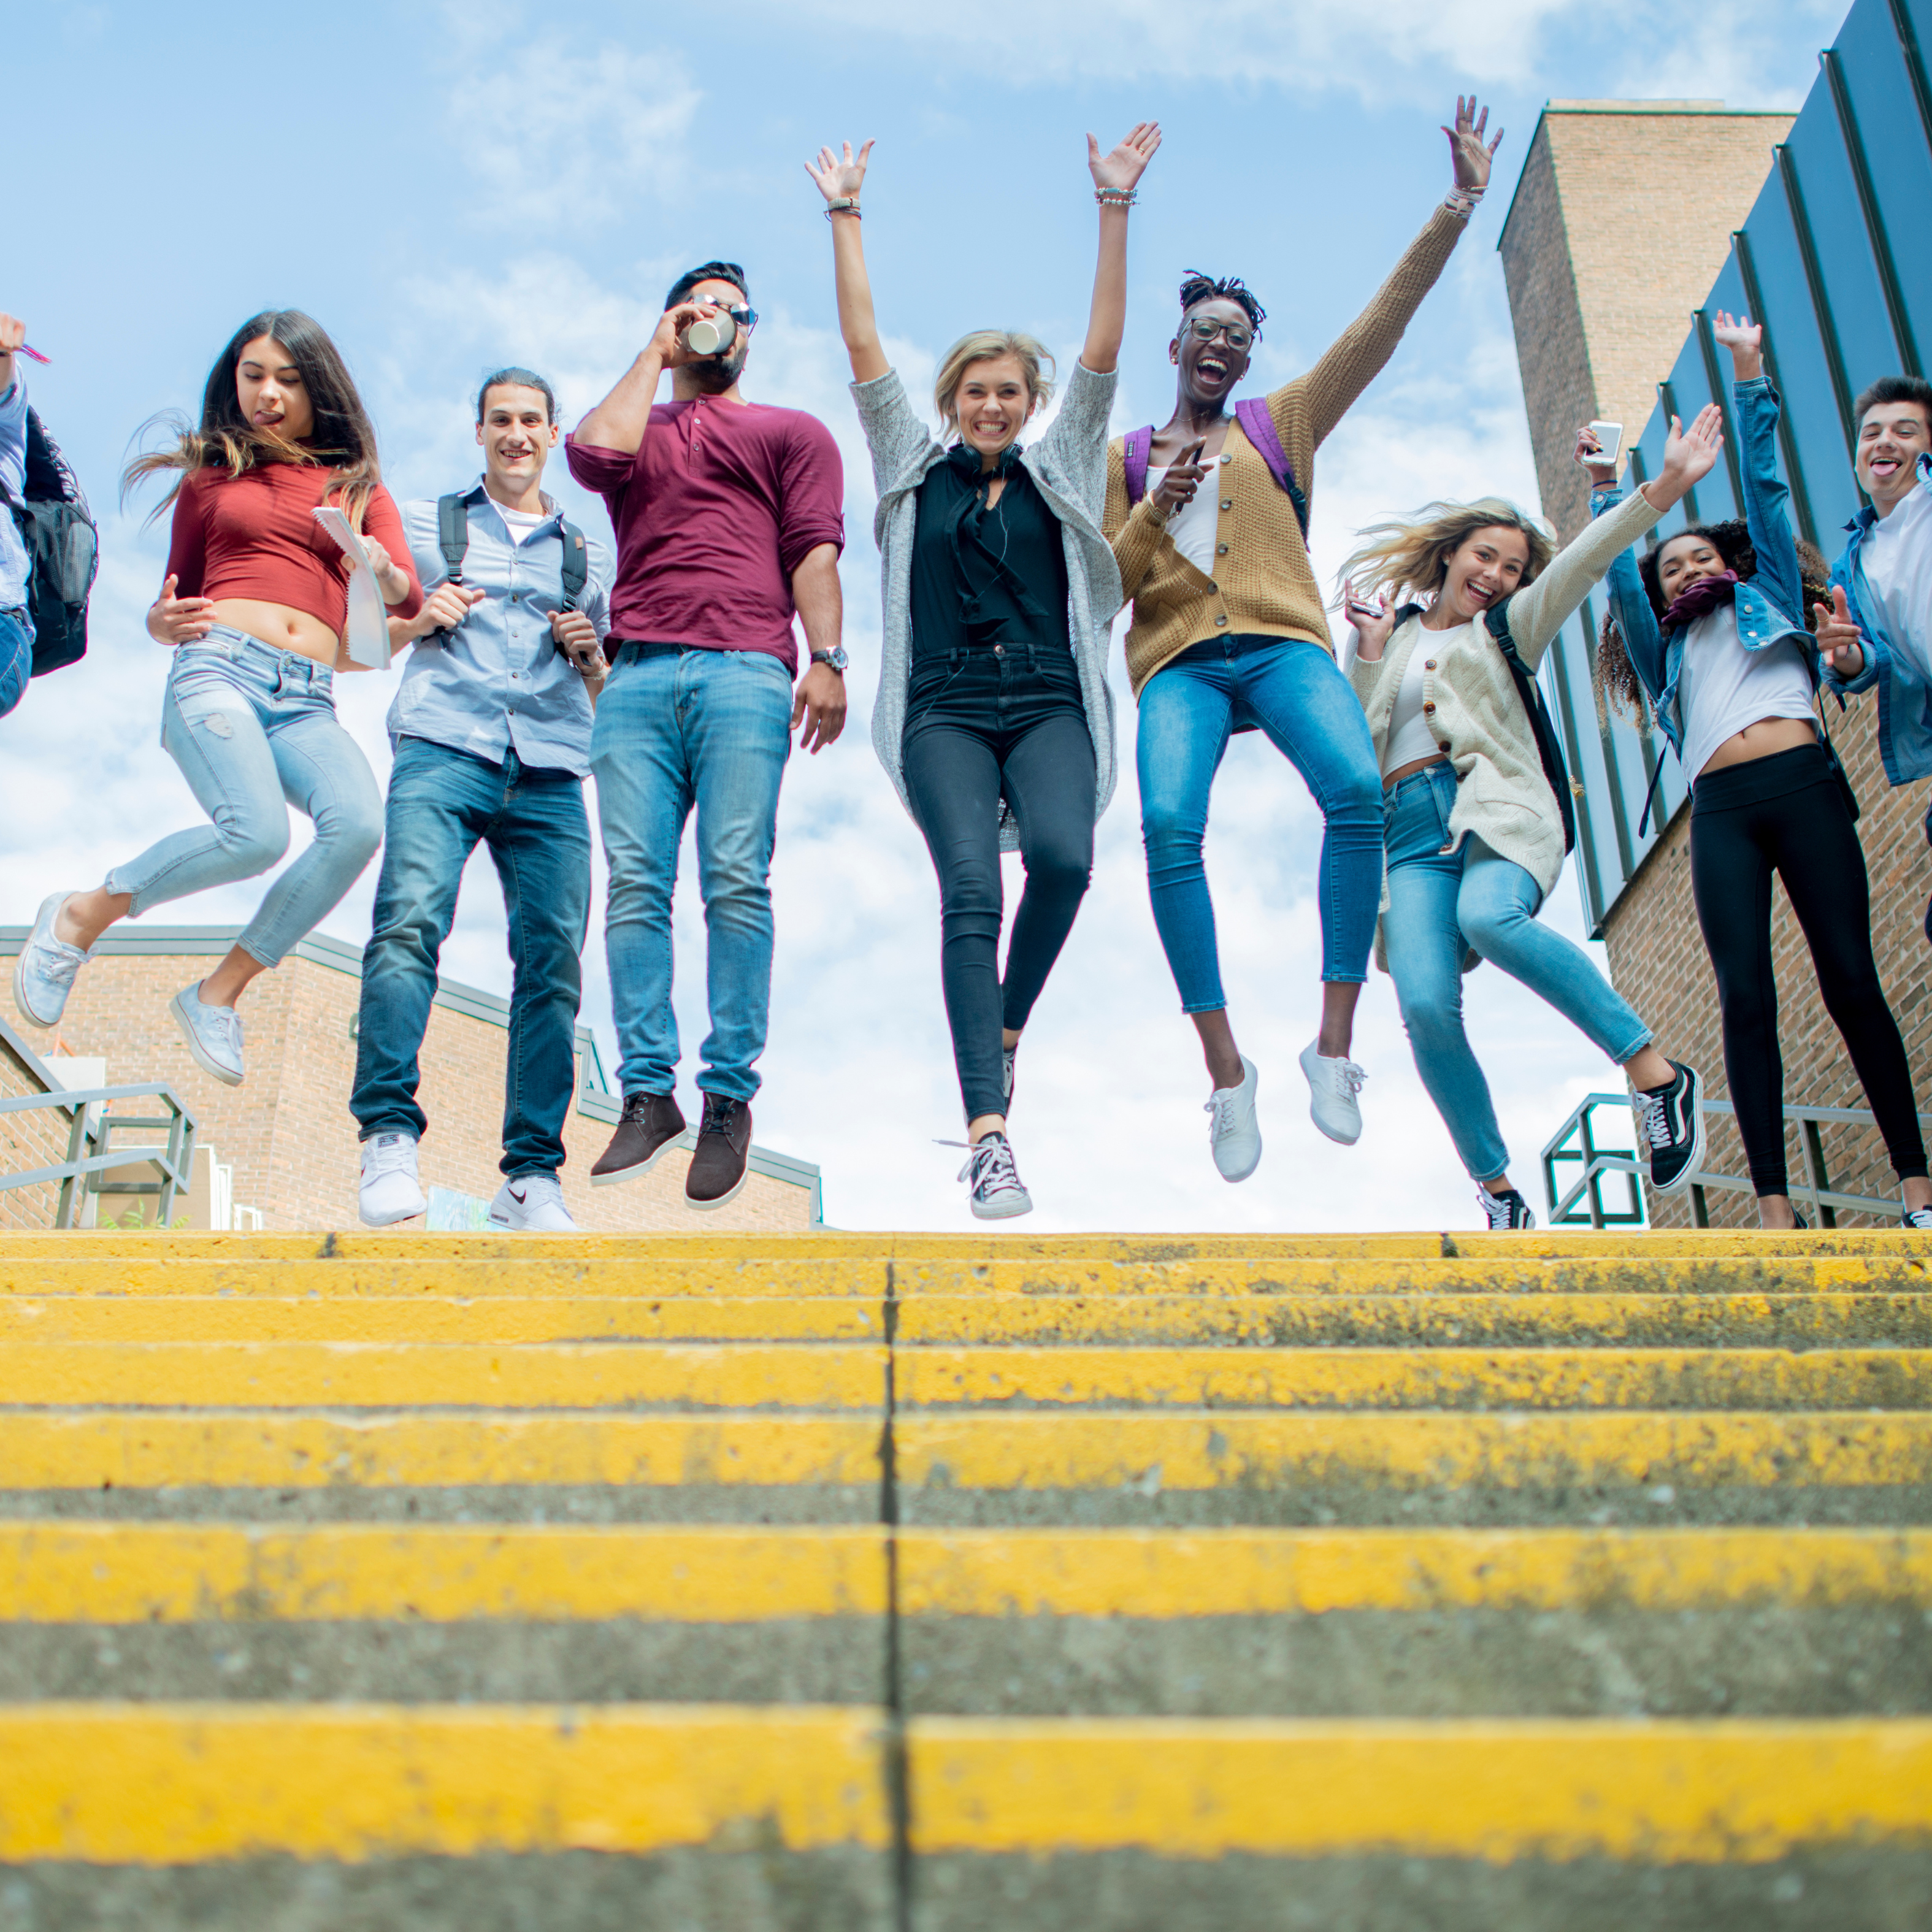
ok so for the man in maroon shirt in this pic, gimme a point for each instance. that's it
(729, 516)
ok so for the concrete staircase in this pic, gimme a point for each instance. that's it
(876, 1583)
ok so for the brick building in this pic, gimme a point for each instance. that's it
(1633, 223)
(286, 1135)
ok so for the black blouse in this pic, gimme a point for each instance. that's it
(982, 577)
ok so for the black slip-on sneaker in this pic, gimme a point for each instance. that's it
(650, 1123)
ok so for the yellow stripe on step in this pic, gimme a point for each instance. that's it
(1706, 1792)
(241, 1449)
(1392, 1378)
(356, 1375)
(1221, 1573)
(130, 1572)
(172, 1784)
(1038, 1450)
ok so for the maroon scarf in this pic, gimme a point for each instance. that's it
(1701, 599)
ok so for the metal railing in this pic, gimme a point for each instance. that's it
(1827, 1203)
(172, 1158)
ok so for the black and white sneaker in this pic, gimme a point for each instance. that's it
(1670, 1119)
(997, 1190)
(1918, 1219)
(1508, 1210)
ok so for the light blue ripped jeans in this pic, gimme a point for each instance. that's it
(251, 726)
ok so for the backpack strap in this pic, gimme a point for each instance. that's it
(452, 533)
(1549, 749)
(1258, 426)
(576, 565)
(1135, 450)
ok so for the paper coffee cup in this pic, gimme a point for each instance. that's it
(711, 334)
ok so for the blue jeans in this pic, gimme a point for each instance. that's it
(677, 729)
(251, 726)
(1293, 692)
(441, 801)
(16, 655)
(1443, 904)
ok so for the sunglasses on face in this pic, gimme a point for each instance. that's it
(1238, 337)
(745, 316)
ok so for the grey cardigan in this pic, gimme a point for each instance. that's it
(1069, 464)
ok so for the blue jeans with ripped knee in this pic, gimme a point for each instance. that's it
(254, 731)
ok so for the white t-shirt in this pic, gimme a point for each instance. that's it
(524, 524)
(1723, 687)
(1194, 525)
(1897, 560)
(1409, 735)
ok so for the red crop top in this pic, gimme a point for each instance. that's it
(255, 536)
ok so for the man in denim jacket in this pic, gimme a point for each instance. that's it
(492, 734)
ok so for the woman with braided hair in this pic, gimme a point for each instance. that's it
(1229, 633)
(1710, 629)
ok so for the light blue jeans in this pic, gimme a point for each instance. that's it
(1189, 709)
(678, 729)
(250, 726)
(1443, 904)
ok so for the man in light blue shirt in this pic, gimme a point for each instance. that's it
(491, 729)
(16, 623)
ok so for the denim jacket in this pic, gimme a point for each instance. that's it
(1764, 604)
(1904, 698)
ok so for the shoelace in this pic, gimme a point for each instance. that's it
(720, 1116)
(990, 1163)
(1221, 1105)
(1501, 1208)
(1348, 1078)
(1656, 1122)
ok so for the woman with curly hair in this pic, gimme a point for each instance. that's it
(1710, 629)
(1475, 834)
(1229, 634)
(255, 609)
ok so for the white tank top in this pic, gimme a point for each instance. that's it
(1723, 687)
(1410, 737)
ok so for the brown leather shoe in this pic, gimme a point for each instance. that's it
(651, 1122)
(723, 1147)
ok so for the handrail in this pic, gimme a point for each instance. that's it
(171, 1159)
(1827, 1202)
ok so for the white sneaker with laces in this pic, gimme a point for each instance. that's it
(213, 1033)
(1233, 1134)
(997, 1192)
(532, 1203)
(44, 969)
(1333, 1085)
(391, 1191)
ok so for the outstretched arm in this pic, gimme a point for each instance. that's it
(1115, 176)
(839, 178)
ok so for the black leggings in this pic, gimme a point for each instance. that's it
(1785, 813)
(979, 728)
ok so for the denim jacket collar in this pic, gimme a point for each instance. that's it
(1904, 701)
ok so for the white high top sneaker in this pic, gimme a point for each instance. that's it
(391, 1191)
(532, 1203)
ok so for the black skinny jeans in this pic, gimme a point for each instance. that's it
(982, 725)
(1784, 813)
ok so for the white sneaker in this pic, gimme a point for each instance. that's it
(213, 1033)
(534, 1203)
(1333, 1085)
(391, 1191)
(998, 1192)
(1233, 1134)
(44, 969)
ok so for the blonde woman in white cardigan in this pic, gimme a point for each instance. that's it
(1473, 833)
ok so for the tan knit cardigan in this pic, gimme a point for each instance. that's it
(1264, 582)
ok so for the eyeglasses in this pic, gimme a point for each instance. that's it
(1238, 337)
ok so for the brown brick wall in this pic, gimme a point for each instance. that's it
(288, 1130)
(1618, 229)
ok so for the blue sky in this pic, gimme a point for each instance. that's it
(451, 187)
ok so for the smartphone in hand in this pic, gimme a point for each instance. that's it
(1609, 441)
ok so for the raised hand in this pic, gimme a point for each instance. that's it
(1470, 160)
(839, 176)
(1590, 454)
(1841, 643)
(13, 333)
(1123, 165)
(1374, 623)
(1688, 455)
(1744, 339)
(179, 620)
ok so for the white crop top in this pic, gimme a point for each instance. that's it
(1410, 736)
(1723, 687)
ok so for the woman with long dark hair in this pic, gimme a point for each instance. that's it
(254, 606)
(994, 722)
(1709, 629)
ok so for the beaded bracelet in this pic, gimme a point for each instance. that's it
(1461, 200)
(1116, 197)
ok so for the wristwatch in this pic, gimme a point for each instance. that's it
(835, 658)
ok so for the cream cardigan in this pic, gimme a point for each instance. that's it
(1470, 702)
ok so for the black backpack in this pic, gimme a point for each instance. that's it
(63, 550)
(452, 538)
(1549, 747)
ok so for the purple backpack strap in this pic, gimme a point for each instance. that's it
(1257, 425)
(1137, 444)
